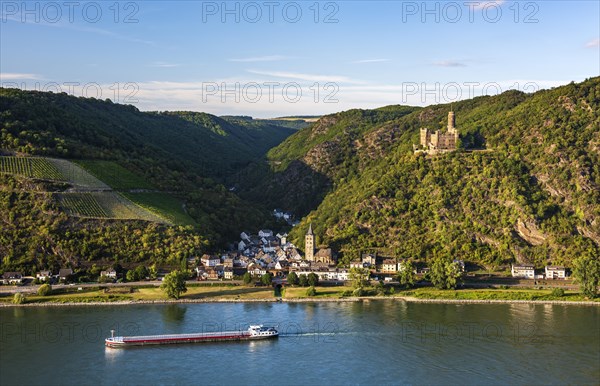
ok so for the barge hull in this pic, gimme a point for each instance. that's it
(175, 340)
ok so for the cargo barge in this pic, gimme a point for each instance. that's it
(253, 333)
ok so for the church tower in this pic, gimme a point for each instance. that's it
(309, 244)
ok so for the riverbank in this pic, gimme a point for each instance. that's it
(305, 300)
(241, 294)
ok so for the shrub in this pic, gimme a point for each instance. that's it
(311, 291)
(558, 292)
(44, 290)
(358, 292)
(19, 298)
(347, 293)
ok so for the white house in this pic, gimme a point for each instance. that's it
(210, 260)
(555, 272)
(524, 271)
(389, 266)
(282, 264)
(265, 233)
(357, 264)
(245, 236)
(111, 273)
(43, 275)
(369, 260)
(282, 238)
(64, 273)
(12, 278)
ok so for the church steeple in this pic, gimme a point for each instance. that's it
(309, 244)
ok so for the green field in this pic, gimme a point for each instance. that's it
(31, 167)
(115, 175)
(164, 205)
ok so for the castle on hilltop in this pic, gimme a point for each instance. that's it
(435, 142)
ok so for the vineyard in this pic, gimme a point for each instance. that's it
(51, 169)
(115, 175)
(90, 197)
(105, 205)
(165, 205)
(81, 204)
(31, 167)
(76, 175)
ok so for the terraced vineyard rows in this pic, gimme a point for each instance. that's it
(76, 175)
(92, 198)
(82, 204)
(105, 205)
(32, 167)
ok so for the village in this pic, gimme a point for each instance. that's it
(268, 253)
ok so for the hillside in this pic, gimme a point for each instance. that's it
(84, 180)
(533, 194)
(64, 126)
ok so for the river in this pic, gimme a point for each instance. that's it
(368, 343)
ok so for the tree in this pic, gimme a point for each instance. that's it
(380, 288)
(174, 284)
(311, 291)
(44, 290)
(141, 272)
(359, 277)
(247, 278)
(267, 278)
(130, 276)
(19, 298)
(313, 279)
(586, 270)
(292, 278)
(303, 280)
(407, 276)
(153, 272)
(444, 273)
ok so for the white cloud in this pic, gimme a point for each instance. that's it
(17, 76)
(484, 4)
(164, 65)
(449, 63)
(593, 43)
(259, 100)
(270, 58)
(305, 77)
(371, 61)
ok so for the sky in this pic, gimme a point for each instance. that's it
(280, 58)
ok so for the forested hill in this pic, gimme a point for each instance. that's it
(526, 189)
(170, 166)
(42, 123)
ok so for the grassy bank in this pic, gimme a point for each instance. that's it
(243, 293)
(494, 294)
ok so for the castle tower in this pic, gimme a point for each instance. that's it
(309, 244)
(451, 122)
(424, 136)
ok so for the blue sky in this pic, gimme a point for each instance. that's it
(301, 57)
